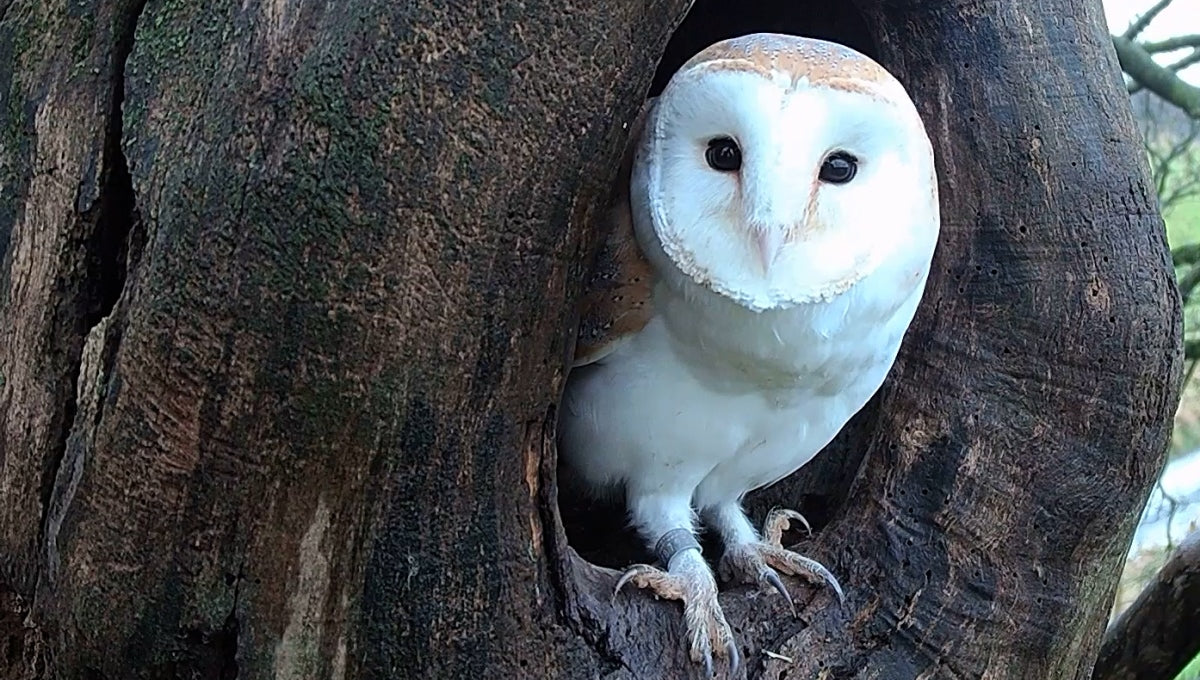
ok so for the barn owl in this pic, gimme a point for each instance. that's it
(767, 248)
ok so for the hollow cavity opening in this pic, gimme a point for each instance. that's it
(710, 21)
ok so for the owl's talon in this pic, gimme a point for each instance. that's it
(694, 585)
(654, 579)
(625, 576)
(735, 659)
(778, 520)
(825, 574)
(773, 578)
(758, 562)
(776, 523)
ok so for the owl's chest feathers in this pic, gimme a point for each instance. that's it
(829, 349)
(713, 399)
(783, 382)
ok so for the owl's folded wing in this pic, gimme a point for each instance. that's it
(617, 303)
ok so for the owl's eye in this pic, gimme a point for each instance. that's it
(723, 154)
(839, 167)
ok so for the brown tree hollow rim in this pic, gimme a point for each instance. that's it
(1156, 637)
(314, 435)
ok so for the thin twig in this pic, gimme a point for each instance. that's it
(1190, 369)
(1171, 44)
(1143, 21)
(1187, 61)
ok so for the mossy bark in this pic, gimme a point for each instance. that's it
(288, 293)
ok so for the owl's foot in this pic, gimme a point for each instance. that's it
(759, 562)
(694, 584)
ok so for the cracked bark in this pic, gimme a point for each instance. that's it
(314, 435)
(64, 221)
(66, 214)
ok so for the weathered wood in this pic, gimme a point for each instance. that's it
(314, 435)
(1156, 637)
(63, 222)
(363, 227)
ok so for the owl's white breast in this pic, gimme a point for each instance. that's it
(711, 400)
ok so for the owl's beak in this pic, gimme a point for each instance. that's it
(767, 242)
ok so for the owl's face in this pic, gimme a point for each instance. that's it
(778, 170)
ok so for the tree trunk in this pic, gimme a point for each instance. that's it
(310, 432)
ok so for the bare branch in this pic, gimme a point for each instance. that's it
(1177, 174)
(1167, 160)
(1155, 637)
(1180, 191)
(1191, 366)
(1191, 351)
(1171, 44)
(1143, 21)
(1141, 67)
(1185, 255)
(1187, 61)
(1187, 284)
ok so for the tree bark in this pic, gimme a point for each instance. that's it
(1156, 637)
(310, 432)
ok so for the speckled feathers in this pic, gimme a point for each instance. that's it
(833, 65)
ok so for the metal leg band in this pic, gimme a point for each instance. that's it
(674, 542)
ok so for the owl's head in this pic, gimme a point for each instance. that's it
(778, 170)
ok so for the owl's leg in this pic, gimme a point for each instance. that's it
(753, 560)
(687, 577)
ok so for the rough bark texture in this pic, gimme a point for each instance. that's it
(63, 218)
(313, 437)
(1156, 637)
(306, 439)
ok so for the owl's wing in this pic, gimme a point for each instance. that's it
(616, 304)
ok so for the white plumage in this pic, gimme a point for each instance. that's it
(756, 305)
